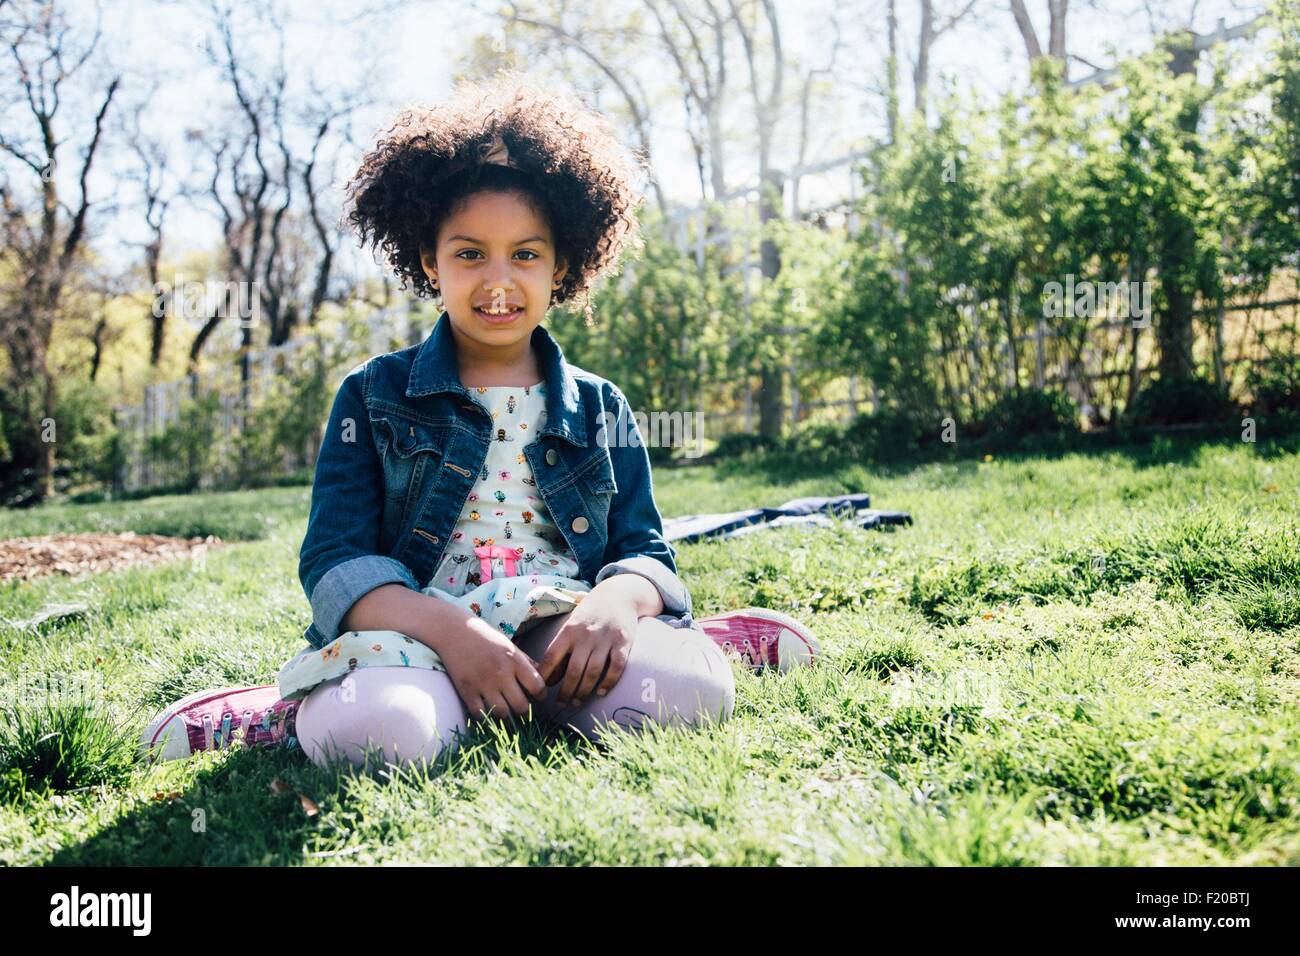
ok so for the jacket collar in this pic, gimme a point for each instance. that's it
(435, 369)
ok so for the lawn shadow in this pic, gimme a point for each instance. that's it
(262, 806)
(781, 468)
(228, 815)
(1150, 448)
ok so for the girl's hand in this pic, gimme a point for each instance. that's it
(492, 676)
(597, 633)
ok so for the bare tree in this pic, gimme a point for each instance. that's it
(1057, 12)
(701, 40)
(159, 189)
(105, 288)
(807, 85)
(767, 111)
(891, 70)
(933, 22)
(266, 192)
(933, 25)
(43, 244)
(602, 50)
(323, 115)
(701, 63)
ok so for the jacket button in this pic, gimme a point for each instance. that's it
(552, 458)
(580, 524)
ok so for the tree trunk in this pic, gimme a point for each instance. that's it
(158, 307)
(771, 397)
(921, 73)
(1174, 331)
(891, 72)
(101, 329)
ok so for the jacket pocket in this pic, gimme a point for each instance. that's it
(597, 473)
(410, 452)
(595, 482)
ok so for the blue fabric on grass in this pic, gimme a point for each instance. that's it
(800, 511)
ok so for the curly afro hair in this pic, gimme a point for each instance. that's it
(565, 162)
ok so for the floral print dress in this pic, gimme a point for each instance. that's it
(507, 561)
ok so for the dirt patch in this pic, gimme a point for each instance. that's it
(75, 554)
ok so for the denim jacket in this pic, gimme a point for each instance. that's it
(404, 445)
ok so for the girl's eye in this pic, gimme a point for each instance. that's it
(532, 255)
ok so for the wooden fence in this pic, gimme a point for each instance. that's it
(1100, 375)
(233, 393)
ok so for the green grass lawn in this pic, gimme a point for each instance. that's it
(1087, 659)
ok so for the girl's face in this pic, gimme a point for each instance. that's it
(494, 254)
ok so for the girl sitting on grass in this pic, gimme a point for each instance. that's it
(478, 546)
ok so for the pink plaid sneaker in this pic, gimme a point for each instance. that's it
(762, 638)
(212, 719)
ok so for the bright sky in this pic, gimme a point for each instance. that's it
(416, 48)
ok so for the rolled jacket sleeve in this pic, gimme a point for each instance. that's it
(339, 561)
(636, 542)
(676, 598)
(345, 584)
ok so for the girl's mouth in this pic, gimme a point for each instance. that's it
(501, 319)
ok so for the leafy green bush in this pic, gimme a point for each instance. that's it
(815, 435)
(188, 445)
(20, 447)
(1275, 384)
(88, 449)
(1031, 412)
(742, 443)
(883, 435)
(283, 426)
(1180, 402)
(888, 433)
(810, 444)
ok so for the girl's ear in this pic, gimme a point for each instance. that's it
(560, 271)
(429, 263)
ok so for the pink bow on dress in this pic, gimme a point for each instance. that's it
(487, 552)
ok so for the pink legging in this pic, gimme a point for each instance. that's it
(673, 676)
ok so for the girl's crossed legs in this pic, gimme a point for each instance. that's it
(673, 676)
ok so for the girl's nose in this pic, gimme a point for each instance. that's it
(500, 282)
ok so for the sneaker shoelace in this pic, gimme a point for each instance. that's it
(755, 650)
(214, 739)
